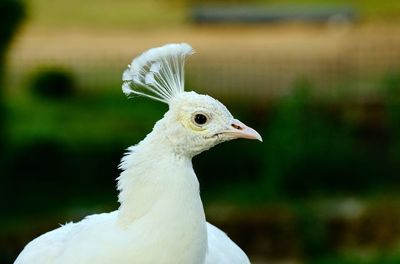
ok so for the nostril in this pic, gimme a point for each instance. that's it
(237, 127)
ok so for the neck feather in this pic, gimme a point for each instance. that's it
(154, 172)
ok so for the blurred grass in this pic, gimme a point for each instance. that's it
(379, 258)
(369, 9)
(105, 14)
(121, 14)
(107, 118)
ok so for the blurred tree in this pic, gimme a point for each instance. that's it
(53, 83)
(307, 151)
(12, 13)
(391, 87)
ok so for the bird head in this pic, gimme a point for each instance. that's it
(194, 122)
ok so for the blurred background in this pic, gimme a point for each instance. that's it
(320, 80)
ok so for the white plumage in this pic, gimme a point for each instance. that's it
(160, 71)
(161, 217)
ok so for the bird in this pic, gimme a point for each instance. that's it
(161, 217)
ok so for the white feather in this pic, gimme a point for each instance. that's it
(222, 250)
(157, 73)
(155, 67)
(149, 78)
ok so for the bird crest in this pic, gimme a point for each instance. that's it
(157, 73)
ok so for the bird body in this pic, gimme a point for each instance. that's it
(161, 217)
(160, 208)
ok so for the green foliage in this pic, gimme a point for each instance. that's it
(391, 86)
(319, 148)
(312, 233)
(101, 120)
(53, 83)
(383, 258)
(306, 149)
(12, 13)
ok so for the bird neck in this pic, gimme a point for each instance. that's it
(157, 181)
(160, 199)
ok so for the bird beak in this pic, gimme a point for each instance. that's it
(240, 130)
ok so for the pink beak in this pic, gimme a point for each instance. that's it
(240, 130)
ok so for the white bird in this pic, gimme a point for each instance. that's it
(161, 217)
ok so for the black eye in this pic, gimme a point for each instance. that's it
(200, 119)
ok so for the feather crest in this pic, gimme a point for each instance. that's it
(157, 73)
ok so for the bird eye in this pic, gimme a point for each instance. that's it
(200, 119)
